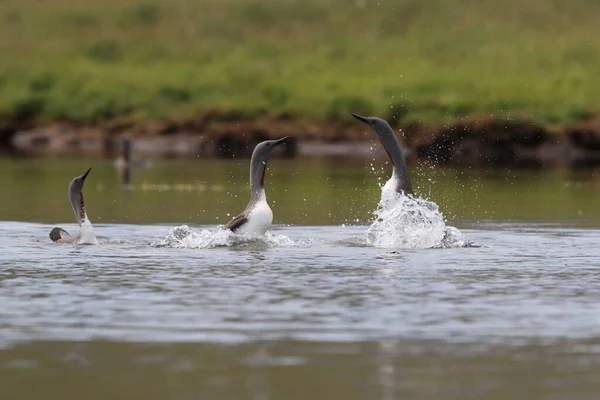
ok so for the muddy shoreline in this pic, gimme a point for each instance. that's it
(471, 142)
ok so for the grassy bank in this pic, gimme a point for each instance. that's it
(423, 60)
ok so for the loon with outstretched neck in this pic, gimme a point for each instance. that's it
(257, 217)
(86, 233)
(400, 181)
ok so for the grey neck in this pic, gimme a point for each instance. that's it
(258, 165)
(392, 146)
(78, 206)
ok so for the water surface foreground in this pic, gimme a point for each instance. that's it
(312, 311)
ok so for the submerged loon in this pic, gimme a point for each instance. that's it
(400, 181)
(86, 233)
(257, 217)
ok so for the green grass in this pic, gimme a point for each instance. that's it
(419, 60)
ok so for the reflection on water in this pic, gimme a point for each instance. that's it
(312, 312)
(299, 370)
(300, 192)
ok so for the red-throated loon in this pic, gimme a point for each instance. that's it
(400, 181)
(86, 233)
(257, 217)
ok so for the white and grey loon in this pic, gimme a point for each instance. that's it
(400, 181)
(257, 217)
(86, 233)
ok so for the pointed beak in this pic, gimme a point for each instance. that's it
(86, 174)
(280, 141)
(360, 118)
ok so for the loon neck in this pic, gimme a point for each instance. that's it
(257, 197)
(400, 170)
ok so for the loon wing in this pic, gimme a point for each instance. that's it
(59, 235)
(237, 222)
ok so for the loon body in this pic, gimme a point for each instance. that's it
(86, 232)
(257, 217)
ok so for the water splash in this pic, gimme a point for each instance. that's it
(183, 237)
(411, 223)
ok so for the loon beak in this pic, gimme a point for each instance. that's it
(280, 141)
(360, 118)
(86, 174)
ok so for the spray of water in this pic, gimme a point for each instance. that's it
(183, 237)
(411, 223)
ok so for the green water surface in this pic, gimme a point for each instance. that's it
(300, 192)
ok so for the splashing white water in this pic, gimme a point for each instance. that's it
(411, 223)
(183, 237)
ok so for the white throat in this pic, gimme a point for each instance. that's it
(260, 217)
(86, 232)
(389, 192)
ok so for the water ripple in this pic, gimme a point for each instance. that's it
(312, 283)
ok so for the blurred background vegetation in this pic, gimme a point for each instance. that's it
(417, 60)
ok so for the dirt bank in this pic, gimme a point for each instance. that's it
(474, 141)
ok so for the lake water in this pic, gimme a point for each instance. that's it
(169, 307)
